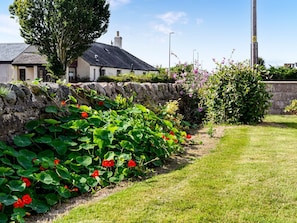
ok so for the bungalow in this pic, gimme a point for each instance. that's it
(23, 62)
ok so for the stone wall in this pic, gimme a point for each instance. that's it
(27, 102)
(283, 92)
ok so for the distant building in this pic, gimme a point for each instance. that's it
(291, 65)
(20, 61)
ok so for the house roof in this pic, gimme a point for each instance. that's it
(30, 56)
(100, 54)
(9, 51)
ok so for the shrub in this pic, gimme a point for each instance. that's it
(236, 94)
(192, 103)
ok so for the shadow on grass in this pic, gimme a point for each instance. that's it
(292, 125)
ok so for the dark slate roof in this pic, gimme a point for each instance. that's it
(100, 54)
(9, 51)
(30, 56)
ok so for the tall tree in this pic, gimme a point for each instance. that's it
(61, 29)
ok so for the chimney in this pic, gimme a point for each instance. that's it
(118, 40)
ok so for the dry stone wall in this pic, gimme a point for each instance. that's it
(283, 92)
(28, 102)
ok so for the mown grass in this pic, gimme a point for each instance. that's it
(250, 177)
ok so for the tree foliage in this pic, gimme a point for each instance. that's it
(61, 29)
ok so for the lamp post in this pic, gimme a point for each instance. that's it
(169, 53)
(254, 43)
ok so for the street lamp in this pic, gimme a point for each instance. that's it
(169, 53)
(254, 43)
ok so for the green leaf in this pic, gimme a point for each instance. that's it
(63, 192)
(3, 218)
(52, 121)
(73, 99)
(46, 154)
(52, 199)
(39, 206)
(63, 172)
(44, 139)
(18, 215)
(141, 108)
(109, 155)
(22, 140)
(87, 146)
(84, 160)
(28, 172)
(6, 171)
(16, 185)
(3, 181)
(44, 177)
(54, 128)
(60, 146)
(7, 149)
(136, 135)
(7, 199)
(127, 145)
(31, 125)
(102, 137)
(25, 158)
(51, 109)
(168, 123)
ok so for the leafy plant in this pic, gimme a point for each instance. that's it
(4, 91)
(236, 94)
(291, 108)
(77, 149)
(192, 103)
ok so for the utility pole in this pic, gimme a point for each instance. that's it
(169, 75)
(254, 43)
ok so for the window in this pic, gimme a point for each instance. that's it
(119, 72)
(102, 72)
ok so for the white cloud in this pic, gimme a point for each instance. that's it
(162, 28)
(9, 29)
(199, 21)
(117, 3)
(173, 17)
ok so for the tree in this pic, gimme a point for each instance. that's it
(61, 29)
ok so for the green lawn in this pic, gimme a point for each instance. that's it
(250, 177)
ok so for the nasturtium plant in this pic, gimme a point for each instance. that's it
(77, 148)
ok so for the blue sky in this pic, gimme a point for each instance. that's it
(205, 29)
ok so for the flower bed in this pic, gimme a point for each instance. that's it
(77, 149)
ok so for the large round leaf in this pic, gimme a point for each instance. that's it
(16, 185)
(84, 160)
(22, 140)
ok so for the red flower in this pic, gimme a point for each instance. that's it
(188, 136)
(26, 199)
(164, 137)
(131, 163)
(84, 114)
(108, 163)
(26, 181)
(95, 174)
(63, 103)
(42, 168)
(56, 161)
(101, 103)
(171, 133)
(78, 105)
(75, 189)
(1, 206)
(19, 203)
